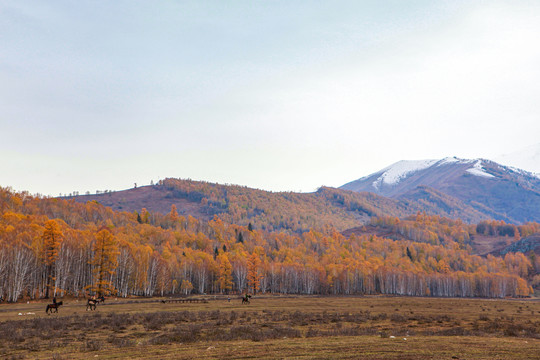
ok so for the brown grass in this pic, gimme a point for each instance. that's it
(273, 326)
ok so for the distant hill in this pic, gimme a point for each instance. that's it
(486, 238)
(478, 186)
(470, 190)
(266, 210)
(153, 198)
(525, 245)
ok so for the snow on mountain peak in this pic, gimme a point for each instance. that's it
(453, 160)
(478, 170)
(402, 169)
(448, 160)
(395, 172)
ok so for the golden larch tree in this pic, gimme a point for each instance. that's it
(253, 276)
(225, 273)
(52, 239)
(173, 215)
(104, 261)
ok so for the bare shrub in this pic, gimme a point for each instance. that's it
(511, 331)
(214, 315)
(347, 331)
(355, 317)
(58, 356)
(300, 318)
(32, 345)
(121, 341)
(153, 323)
(313, 332)
(443, 318)
(398, 318)
(185, 333)
(92, 345)
(13, 336)
(162, 339)
(454, 331)
(276, 316)
(16, 357)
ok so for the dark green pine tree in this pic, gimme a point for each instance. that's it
(409, 253)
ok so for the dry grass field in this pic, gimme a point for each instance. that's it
(270, 327)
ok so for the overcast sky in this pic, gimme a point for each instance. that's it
(277, 95)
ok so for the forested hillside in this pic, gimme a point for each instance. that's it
(53, 246)
(270, 211)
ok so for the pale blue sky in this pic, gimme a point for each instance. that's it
(278, 95)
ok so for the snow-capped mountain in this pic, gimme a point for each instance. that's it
(500, 192)
(527, 159)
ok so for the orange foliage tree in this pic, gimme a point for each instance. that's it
(225, 273)
(253, 276)
(52, 238)
(104, 262)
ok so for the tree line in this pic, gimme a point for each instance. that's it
(59, 247)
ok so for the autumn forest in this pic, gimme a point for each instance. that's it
(58, 247)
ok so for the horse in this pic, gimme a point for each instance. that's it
(91, 304)
(245, 299)
(53, 306)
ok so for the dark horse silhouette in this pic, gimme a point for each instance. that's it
(53, 306)
(91, 303)
(245, 299)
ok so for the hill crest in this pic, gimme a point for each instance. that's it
(297, 212)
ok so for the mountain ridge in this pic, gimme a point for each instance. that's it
(471, 190)
(498, 191)
(296, 212)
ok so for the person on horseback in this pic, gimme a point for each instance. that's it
(53, 307)
(245, 299)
